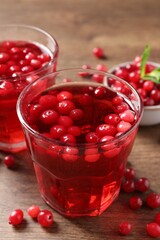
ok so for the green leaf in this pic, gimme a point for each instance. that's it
(145, 56)
(153, 76)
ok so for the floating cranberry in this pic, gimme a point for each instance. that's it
(100, 92)
(117, 100)
(142, 184)
(86, 100)
(57, 131)
(45, 218)
(9, 161)
(76, 114)
(16, 217)
(112, 119)
(105, 129)
(65, 121)
(123, 126)
(153, 229)
(33, 211)
(127, 116)
(135, 202)
(48, 102)
(91, 155)
(125, 228)
(70, 154)
(68, 138)
(49, 117)
(64, 95)
(74, 130)
(65, 107)
(92, 137)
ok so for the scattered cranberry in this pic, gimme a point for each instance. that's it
(157, 218)
(135, 202)
(153, 229)
(128, 186)
(9, 161)
(16, 217)
(153, 200)
(33, 211)
(129, 173)
(142, 184)
(45, 218)
(125, 228)
(98, 52)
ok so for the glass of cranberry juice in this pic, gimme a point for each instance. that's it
(79, 134)
(26, 53)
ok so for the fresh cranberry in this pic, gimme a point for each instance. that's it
(121, 108)
(33, 211)
(122, 73)
(125, 228)
(98, 77)
(84, 73)
(135, 202)
(65, 121)
(153, 229)
(148, 86)
(4, 57)
(65, 107)
(105, 129)
(49, 117)
(155, 95)
(45, 218)
(98, 52)
(9, 161)
(129, 173)
(68, 138)
(134, 77)
(76, 114)
(157, 218)
(86, 100)
(153, 200)
(92, 137)
(64, 95)
(117, 100)
(57, 131)
(101, 67)
(48, 102)
(142, 184)
(128, 186)
(70, 154)
(123, 126)
(16, 217)
(74, 130)
(100, 92)
(128, 116)
(112, 119)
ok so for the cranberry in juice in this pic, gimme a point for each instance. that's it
(21, 62)
(80, 157)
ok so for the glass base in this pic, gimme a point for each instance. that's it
(13, 147)
(90, 212)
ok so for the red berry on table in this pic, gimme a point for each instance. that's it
(16, 217)
(129, 173)
(33, 211)
(135, 202)
(45, 218)
(98, 52)
(125, 228)
(9, 161)
(153, 229)
(142, 184)
(157, 218)
(153, 200)
(128, 186)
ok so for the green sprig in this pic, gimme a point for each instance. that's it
(154, 75)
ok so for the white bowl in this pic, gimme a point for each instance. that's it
(151, 114)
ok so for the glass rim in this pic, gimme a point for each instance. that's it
(36, 71)
(58, 142)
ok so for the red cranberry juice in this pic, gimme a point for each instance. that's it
(80, 172)
(20, 62)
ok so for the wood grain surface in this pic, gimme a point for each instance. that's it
(122, 29)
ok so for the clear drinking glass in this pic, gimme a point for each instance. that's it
(26, 53)
(79, 156)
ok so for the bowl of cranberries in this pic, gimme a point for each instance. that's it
(80, 134)
(144, 76)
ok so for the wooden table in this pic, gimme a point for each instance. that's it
(122, 29)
